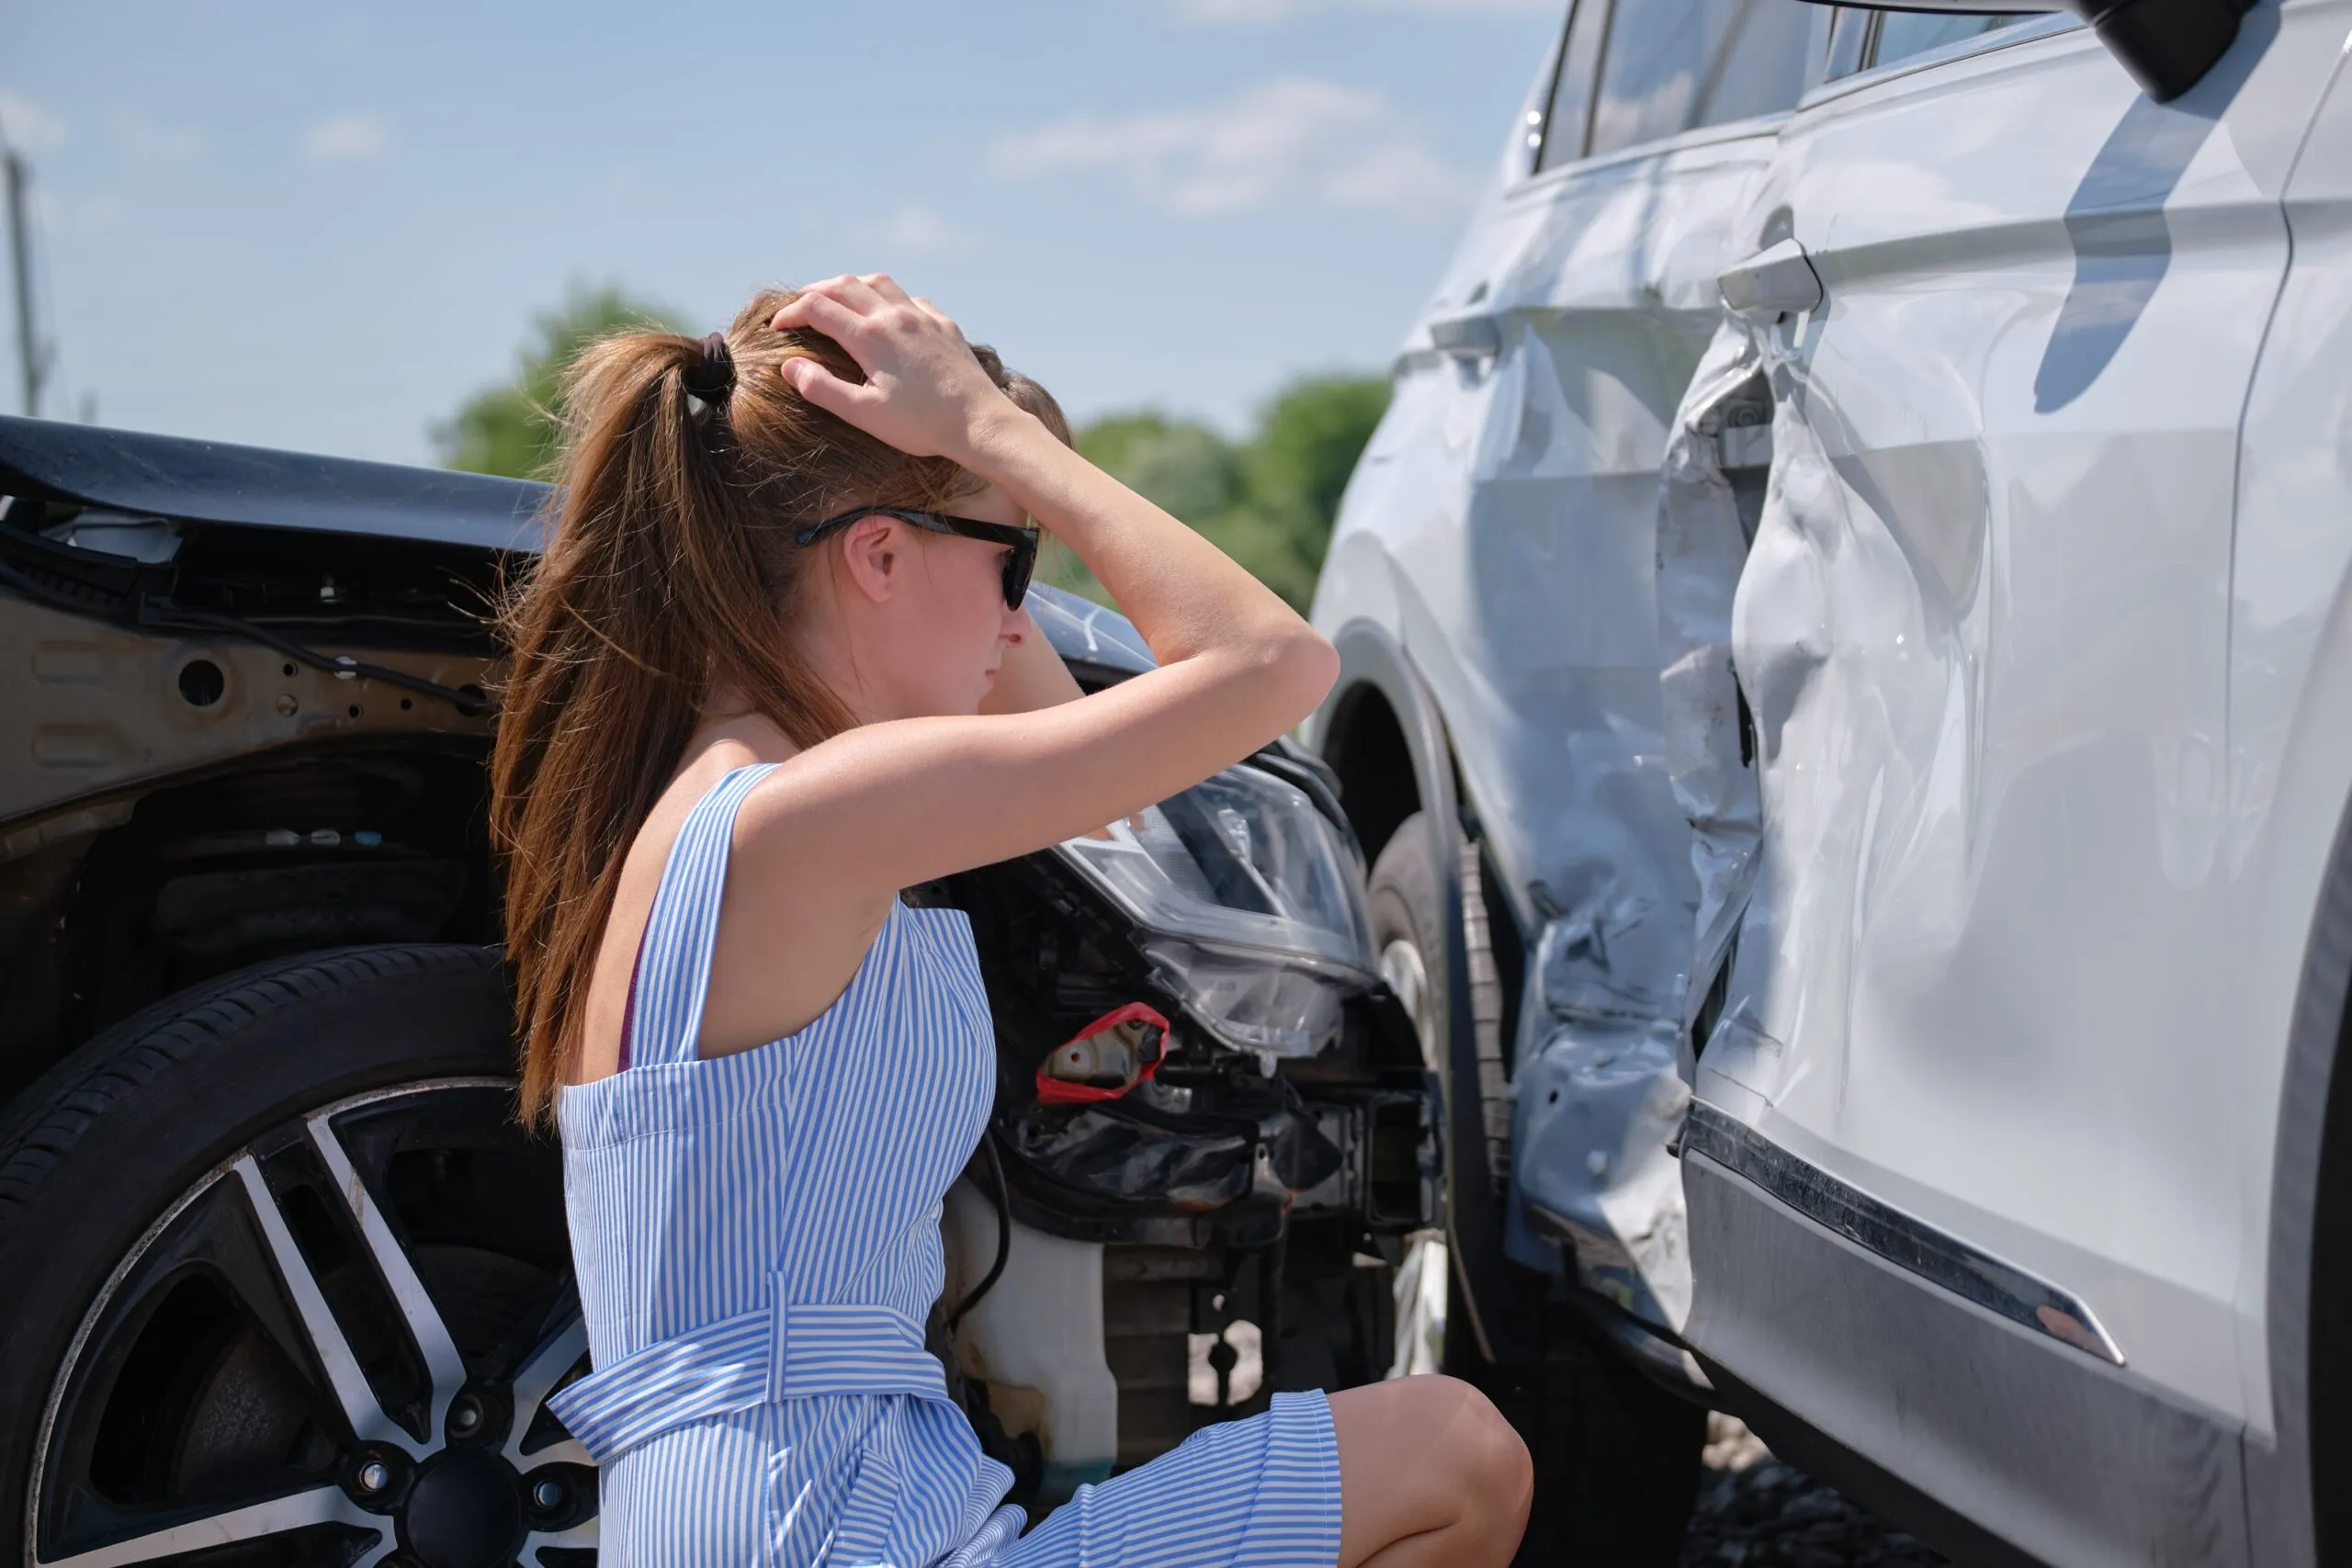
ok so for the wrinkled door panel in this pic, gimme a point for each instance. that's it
(1502, 521)
(1533, 619)
(1961, 818)
(1711, 502)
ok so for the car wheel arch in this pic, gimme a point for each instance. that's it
(87, 890)
(1378, 682)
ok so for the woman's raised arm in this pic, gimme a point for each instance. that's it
(891, 804)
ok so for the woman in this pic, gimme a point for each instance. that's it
(771, 668)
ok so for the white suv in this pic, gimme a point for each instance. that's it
(1848, 628)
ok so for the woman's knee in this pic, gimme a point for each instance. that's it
(1427, 1454)
(1468, 1440)
(1492, 1452)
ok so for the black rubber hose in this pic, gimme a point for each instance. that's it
(1003, 1234)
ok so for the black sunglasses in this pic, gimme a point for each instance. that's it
(1017, 566)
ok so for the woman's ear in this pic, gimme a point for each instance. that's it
(874, 550)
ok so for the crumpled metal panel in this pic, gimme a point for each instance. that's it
(1597, 1105)
(1987, 970)
(1551, 692)
(1858, 655)
(1617, 983)
(1702, 540)
(1502, 523)
(1501, 526)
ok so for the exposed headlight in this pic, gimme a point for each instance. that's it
(1251, 905)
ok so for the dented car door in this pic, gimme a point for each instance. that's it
(1949, 715)
(1518, 566)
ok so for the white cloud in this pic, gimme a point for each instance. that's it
(1226, 12)
(27, 126)
(348, 136)
(1290, 139)
(916, 230)
(153, 143)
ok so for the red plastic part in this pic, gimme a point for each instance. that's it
(1054, 1092)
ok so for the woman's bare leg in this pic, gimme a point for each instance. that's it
(1430, 1475)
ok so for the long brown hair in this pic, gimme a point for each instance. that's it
(669, 570)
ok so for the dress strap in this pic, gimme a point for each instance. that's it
(673, 975)
(628, 1009)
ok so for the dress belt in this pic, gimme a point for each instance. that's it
(764, 1357)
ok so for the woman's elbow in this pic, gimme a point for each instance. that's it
(1305, 665)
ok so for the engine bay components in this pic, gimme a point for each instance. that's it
(1105, 1059)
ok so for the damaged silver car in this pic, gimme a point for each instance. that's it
(1845, 645)
(284, 1281)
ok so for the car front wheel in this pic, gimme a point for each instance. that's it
(287, 1284)
(1616, 1456)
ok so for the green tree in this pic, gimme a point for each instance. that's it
(512, 428)
(1181, 465)
(1306, 444)
(1294, 467)
(1269, 502)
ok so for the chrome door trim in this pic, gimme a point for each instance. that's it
(2049, 25)
(1905, 1240)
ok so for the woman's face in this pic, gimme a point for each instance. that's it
(923, 619)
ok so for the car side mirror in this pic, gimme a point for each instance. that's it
(2166, 45)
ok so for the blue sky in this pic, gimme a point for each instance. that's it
(321, 226)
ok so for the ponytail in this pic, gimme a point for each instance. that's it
(669, 571)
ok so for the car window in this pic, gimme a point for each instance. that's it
(1901, 34)
(1571, 106)
(1849, 40)
(1673, 65)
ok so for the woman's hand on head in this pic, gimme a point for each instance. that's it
(924, 393)
(885, 806)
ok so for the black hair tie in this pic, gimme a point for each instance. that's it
(711, 379)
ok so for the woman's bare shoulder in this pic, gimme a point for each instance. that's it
(642, 866)
(792, 930)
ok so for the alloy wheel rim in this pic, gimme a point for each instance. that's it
(1407, 975)
(397, 1364)
(1420, 1285)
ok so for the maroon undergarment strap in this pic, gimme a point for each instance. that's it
(628, 1017)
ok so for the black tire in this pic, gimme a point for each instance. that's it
(1616, 1456)
(1403, 897)
(145, 1144)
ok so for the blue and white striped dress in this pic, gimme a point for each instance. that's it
(757, 1241)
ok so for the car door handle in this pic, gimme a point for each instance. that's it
(1777, 281)
(1467, 337)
